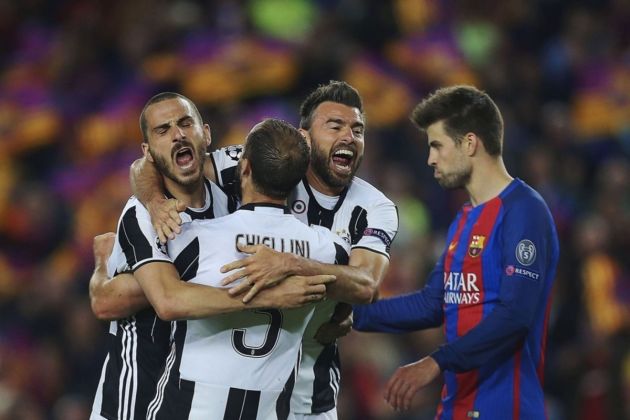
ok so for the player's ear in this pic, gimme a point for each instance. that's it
(145, 151)
(306, 136)
(471, 143)
(245, 167)
(207, 134)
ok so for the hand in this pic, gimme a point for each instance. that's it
(262, 269)
(102, 247)
(294, 292)
(409, 379)
(165, 217)
(340, 325)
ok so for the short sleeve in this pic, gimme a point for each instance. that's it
(381, 228)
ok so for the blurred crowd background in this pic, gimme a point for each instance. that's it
(74, 75)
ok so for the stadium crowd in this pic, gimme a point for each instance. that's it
(74, 75)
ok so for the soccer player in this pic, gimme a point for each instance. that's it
(237, 365)
(330, 195)
(492, 286)
(175, 139)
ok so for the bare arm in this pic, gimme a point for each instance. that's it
(147, 184)
(174, 299)
(113, 298)
(357, 282)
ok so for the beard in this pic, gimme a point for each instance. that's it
(456, 179)
(165, 167)
(320, 162)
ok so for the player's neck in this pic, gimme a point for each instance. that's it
(191, 195)
(250, 196)
(487, 181)
(319, 185)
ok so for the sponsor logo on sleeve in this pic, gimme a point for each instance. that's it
(476, 245)
(526, 252)
(380, 234)
(511, 270)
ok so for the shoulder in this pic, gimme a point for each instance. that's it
(523, 202)
(362, 191)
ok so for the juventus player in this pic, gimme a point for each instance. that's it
(236, 365)
(330, 195)
(175, 139)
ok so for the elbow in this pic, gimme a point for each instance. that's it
(167, 309)
(102, 310)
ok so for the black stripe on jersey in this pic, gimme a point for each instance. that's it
(358, 223)
(326, 377)
(187, 262)
(242, 404)
(134, 244)
(341, 256)
(283, 403)
(205, 214)
(317, 215)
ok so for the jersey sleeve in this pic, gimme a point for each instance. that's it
(138, 239)
(378, 226)
(406, 313)
(224, 161)
(528, 249)
(339, 249)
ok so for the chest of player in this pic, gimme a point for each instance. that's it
(472, 262)
(347, 218)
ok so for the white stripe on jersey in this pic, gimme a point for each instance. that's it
(157, 401)
(128, 384)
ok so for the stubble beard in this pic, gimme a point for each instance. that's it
(320, 163)
(455, 180)
(165, 168)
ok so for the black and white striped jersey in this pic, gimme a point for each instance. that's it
(236, 365)
(139, 344)
(364, 218)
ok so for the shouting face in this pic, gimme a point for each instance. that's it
(336, 137)
(177, 140)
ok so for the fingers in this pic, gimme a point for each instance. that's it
(252, 292)
(239, 288)
(248, 249)
(179, 207)
(235, 276)
(321, 279)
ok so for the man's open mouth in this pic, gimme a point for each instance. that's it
(184, 157)
(342, 159)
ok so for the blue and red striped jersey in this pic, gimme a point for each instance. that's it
(491, 290)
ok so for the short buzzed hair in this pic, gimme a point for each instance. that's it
(163, 96)
(334, 91)
(464, 109)
(278, 155)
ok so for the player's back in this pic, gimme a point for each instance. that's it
(241, 359)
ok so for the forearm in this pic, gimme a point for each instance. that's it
(146, 182)
(400, 314)
(353, 285)
(193, 301)
(115, 298)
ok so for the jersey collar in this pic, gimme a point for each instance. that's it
(253, 206)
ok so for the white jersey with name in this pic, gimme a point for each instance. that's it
(139, 344)
(364, 218)
(237, 365)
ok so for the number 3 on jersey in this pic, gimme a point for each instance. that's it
(271, 336)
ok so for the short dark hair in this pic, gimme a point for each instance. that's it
(163, 96)
(463, 109)
(278, 155)
(334, 91)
